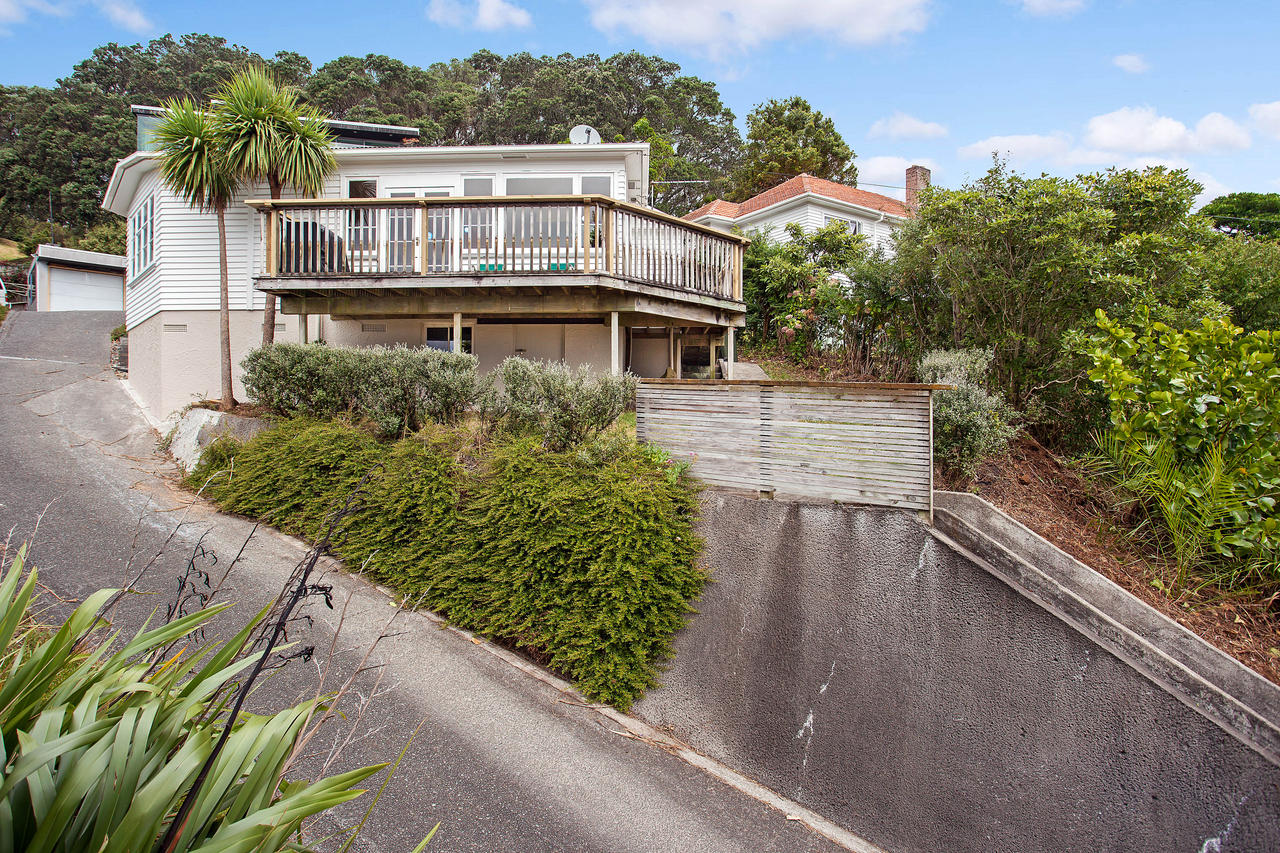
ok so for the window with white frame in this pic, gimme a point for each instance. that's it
(142, 237)
(853, 225)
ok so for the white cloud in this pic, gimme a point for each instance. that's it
(488, 15)
(447, 13)
(1052, 7)
(1020, 147)
(725, 27)
(1216, 132)
(1134, 63)
(499, 14)
(1143, 130)
(903, 126)
(1212, 188)
(1267, 118)
(126, 14)
(122, 13)
(890, 173)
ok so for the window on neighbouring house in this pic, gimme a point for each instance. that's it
(851, 224)
(142, 237)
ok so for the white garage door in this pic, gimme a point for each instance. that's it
(84, 290)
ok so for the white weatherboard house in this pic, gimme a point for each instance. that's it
(61, 279)
(543, 251)
(814, 202)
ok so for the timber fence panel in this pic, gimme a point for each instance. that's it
(863, 443)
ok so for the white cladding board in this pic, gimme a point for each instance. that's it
(84, 290)
(871, 445)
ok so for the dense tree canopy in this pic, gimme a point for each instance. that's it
(786, 138)
(58, 145)
(1249, 214)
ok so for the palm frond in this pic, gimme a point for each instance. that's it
(191, 158)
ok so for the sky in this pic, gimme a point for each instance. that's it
(1060, 86)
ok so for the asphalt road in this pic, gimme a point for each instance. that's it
(504, 761)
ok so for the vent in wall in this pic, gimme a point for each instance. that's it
(373, 327)
(279, 328)
(175, 327)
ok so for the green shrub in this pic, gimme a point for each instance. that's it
(102, 745)
(970, 424)
(396, 389)
(565, 404)
(1203, 390)
(119, 332)
(586, 557)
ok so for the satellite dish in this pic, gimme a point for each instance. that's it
(584, 134)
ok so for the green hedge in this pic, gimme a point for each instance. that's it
(586, 558)
(395, 389)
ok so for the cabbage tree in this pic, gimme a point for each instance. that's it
(268, 136)
(195, 166)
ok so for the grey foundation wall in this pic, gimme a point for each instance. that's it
(873, 670)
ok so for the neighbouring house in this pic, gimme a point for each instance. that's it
(61, 279)
(544, 251)
(814, 202)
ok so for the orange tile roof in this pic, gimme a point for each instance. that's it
(799, 185)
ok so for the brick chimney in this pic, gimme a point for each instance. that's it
(917, 180)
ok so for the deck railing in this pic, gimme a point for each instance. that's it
(335, 238)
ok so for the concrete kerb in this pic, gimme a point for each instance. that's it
(1202, 677)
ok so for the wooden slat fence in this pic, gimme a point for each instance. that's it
(866, 443)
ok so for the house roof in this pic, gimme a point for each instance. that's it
(80, 257)
(798, 186)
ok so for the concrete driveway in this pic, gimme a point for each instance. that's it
(505, 760)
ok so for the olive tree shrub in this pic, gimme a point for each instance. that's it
(567, 405)
(970, 423)
(396, 389)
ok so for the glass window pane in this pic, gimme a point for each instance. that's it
(539, 186)
(362, 189)
(597, 185)
(477, 186)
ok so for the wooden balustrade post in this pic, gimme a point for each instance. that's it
(609, 249)
(271, 263)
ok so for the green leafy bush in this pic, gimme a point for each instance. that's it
(396, 389)
(969, 423)
(101, 745)
(1201, 391)
(565, 404)
(119, 332)
(586, 557)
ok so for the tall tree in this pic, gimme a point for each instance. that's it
(788, 138)
(194, 166)
(266, 135)
(1249, 214)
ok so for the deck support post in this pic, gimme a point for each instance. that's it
(671, 352)
(730, 352)
(613, 343)
(455, 345)
(303, 320)
(711, 353)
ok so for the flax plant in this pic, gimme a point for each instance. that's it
(102, 743)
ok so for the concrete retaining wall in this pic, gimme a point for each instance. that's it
(877, 672)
